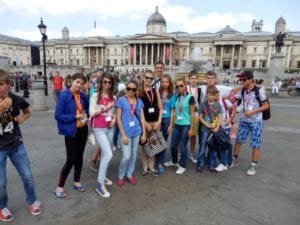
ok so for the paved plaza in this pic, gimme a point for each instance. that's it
(272, 197)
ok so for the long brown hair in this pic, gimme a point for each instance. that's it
(170, 88)
(142, 90)
(100, 86)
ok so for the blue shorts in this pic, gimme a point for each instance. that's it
(255, 130)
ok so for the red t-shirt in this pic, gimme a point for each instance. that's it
(57, 82)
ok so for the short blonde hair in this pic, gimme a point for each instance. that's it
(4, 76)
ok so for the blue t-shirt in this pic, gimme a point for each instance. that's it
(167, 105)
(131, 124)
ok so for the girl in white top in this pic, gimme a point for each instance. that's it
(102, 106)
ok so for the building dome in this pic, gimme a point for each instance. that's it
(65, 29)
(156, 18)
(281, 20)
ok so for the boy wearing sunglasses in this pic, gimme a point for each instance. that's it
(251, 121)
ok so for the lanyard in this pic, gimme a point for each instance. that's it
(132, 107)
(150, 97)
(180, 102)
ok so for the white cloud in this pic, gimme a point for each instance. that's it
(190, 21)
(113, 8)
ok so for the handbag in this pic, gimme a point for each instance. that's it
(155, 144)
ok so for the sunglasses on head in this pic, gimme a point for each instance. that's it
(106, 82)
(149, 78)
(131, 89)
(179, 86)
(243, 80)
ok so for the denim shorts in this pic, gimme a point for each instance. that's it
(255, 129)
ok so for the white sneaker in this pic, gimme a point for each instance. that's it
(114, 148)
(108, 182)
(221, 168)
(170, 163)
(194, 160)
(101, 190)
(180, 170)
(252, 169)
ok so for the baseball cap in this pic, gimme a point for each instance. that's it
(245, 74)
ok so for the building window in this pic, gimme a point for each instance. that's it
(253, 63)
(254, 50)
(245, 49)
(263, 63)
(265, 49)
(115, 51)
(54, 52)
(61, 62)
(126, 61)
(107, 51)
(244, 63)
(298, 64)
(77, 62)
(61, 51)
(71, 61)
(71, 51)
(210, 50)
(108, 62)
(77, 51)
(115, 62)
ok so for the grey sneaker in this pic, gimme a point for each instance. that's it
(234, 163)
(252, 169)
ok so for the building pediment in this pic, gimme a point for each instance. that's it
(151, 38)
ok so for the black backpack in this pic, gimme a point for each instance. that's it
(266, 115)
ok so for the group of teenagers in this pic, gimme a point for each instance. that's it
(185, 111)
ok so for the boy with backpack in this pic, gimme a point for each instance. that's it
(254, 102)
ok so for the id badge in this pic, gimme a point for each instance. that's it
(151, 110)
(131, 124)
(179, 118)
(250, 107)
(108, 118)
(165, 112)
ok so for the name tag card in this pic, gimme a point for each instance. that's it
(151, 110)
(131, 124)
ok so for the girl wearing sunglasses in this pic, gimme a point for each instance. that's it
(153, 115)
(102, 105)
(130, 119)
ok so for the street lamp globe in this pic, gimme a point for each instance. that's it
(42, 27)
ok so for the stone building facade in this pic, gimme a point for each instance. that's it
(225, 49)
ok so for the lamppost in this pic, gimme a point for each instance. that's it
(42, 27)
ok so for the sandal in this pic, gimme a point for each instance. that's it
(59, 194)
(80, 188)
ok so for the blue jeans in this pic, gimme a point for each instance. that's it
(160, 157)
(127, 164)
(229, 150)
(20, 160)
(180, 135)
(202, 148)
(104, 138)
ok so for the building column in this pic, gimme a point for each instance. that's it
(269, 55)
(240, 55)
(123, 55)
(84, 56)
(214, 56)
(146, 63)
(102, 56)
(232, 57)
(152, 53)
(134, 55)
(171, 52)
(141, 56)
(158, 48)
(221, 58)
(89, 56)
(288, 57)
(97, 56)
(164, 54)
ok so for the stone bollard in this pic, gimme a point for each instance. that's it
(39, 100)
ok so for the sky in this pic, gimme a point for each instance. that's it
(19, 18)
